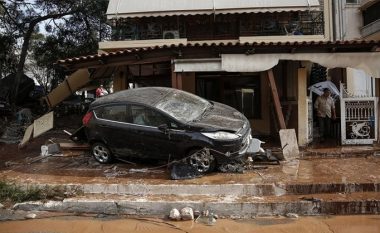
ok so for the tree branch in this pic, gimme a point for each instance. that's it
(18, 25)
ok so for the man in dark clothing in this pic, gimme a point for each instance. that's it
(325, 108)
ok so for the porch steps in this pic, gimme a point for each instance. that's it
(257, 190)
(227, 206)
(304, 187)
(341, 152)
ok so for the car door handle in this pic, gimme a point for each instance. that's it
(105, 126)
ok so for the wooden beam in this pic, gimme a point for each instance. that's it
(276, 100)
(113, 63)
(73, 83)
(174, 78)
(177, 79)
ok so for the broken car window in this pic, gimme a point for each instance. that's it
(148, 117)
(183, 106)
(113, 113)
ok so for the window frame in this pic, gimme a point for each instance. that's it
(355, 2)
(110, 105)
(168, 120)
(128, 105)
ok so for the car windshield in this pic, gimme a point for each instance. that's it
(183, 106)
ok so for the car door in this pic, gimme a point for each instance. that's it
(155, 143)
(113, 126)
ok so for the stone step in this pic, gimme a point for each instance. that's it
(244, 207)
(274, 189)
(340, 152)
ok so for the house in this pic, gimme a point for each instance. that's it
(257, 56)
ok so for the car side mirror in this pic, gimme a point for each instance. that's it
(164, 128)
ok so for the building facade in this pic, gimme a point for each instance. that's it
(257, 56)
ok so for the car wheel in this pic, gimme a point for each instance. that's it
(202, 160)
(101, 153)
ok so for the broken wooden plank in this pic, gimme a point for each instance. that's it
(74, 146)
(43, 124)
(27, 136)
(72, 153)
(276, 99)
(289, 144)
(74, 82)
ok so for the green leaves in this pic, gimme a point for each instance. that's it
(61, 29)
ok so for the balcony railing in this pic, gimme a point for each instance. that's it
(219, 27)
(371, 28)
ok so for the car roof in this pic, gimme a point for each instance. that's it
(144, 95)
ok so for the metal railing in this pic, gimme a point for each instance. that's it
(358, 118)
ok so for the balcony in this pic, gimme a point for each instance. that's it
(371, 19)
(152, 31)
(371, 31)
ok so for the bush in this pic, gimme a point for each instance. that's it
(14, 193)
(11, 193)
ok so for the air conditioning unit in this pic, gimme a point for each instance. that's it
(170, 34)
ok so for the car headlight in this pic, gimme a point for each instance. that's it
(221, 135)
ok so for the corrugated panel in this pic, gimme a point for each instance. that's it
(146, 8)
(221, 44)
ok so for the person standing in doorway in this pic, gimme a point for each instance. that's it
(325, 108)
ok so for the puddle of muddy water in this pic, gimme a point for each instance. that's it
(268, 221)
(336, 224)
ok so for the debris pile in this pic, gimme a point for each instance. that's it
(13, 133)
(187, 214)
(115, 171)
(207, 217)
(14, 130)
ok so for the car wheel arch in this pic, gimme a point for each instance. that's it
(105, 153)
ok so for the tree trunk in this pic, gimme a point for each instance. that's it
(21, 63)
(24, 50)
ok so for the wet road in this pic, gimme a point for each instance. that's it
(84, 170)
(336, 224)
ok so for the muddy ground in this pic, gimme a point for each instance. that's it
(80, 167)
(11, 152)
(102, 224)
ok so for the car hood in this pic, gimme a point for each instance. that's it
(221, 117)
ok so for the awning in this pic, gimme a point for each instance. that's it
(198, 65)
(154, 8)
(369, 62)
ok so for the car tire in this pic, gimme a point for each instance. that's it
(101, 153)
(201, 160)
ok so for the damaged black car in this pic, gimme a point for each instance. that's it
(168, 124)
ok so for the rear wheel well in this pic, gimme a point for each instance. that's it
(101, 152)
(93, 141)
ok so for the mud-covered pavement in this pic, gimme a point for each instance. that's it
(84, 169)
(326, 165)
(71, 224)
(316, 184)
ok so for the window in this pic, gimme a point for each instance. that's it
(241, 92)
(148, 117)
(352, 1)
(113, 113)
(246, 100)
(371, 14)
(183, 106)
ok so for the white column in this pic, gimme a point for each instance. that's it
(302, 108)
